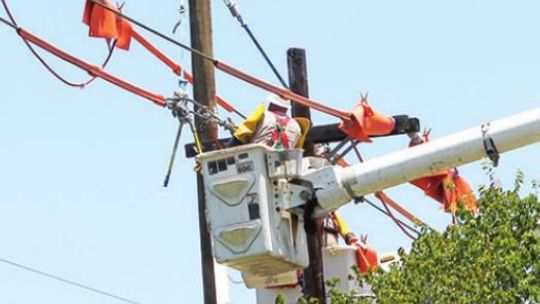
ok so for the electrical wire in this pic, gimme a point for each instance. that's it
(155, 32)
(395, 219)
(222, 66)
(68, 282)
(402, 226)
(166, 38)
(57, 75)
(8, 23)
(10, 15)
(409, 227)
(266, 58)
(354, 144)
(21, 32)
(233, 8)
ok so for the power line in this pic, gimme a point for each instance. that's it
(8, 23)
(156, 32)
(233, 8)
(345, 116)
(47, 66)
(372, 204)
(68, 282)
(395, 220)
(401, 225)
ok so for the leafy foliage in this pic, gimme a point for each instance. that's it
(491, 257)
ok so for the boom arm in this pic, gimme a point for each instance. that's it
(335, 186)
(256, 196)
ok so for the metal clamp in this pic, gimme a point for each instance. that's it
(233, 8)
(179, 105)
(489, 145)
(182, 11)
(180, 110)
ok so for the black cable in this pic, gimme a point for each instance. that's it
(266, 58)
(353, 144)
(385, 213)
(147, 28)
(8, 23)
(15, 26)
(233, 8)
(334, 152)
(8, 12)
(347, 150)
(112, 47)
(33, 51)
(239, 114)
(69, 282)
(401, 225)
(396, 221)
(164, 37)
(49, 68)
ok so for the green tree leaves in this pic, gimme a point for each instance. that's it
(491, 257)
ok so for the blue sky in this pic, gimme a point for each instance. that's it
(81, 170)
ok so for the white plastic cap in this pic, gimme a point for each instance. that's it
(278, 101)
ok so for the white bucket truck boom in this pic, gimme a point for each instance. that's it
(256, 196)
(338, 185)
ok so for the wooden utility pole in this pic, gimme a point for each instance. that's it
(204, 91)
(313, 275)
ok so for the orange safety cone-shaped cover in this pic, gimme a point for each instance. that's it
(103, 23)
(366, 122)
(447, 187)
(366, 258)
(464, 193)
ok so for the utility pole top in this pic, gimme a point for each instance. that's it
(313, 275)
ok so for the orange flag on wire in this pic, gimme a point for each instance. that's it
(103, 23)
(446, 187)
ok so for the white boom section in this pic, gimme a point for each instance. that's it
(403, 166)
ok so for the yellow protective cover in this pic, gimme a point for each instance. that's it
(305, 125)
(343, 228)
(248, 127)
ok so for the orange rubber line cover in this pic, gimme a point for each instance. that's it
(390, 202)
(285, 93)
(359, 124)
(91, 68)
(106, 24)
(175, 67)
(102, 24)
(220, 101)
